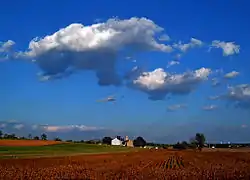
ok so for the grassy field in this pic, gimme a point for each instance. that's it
(57, 150)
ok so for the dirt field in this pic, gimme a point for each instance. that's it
(27, 142)
(147, 165)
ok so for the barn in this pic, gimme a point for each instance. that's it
(116, 142)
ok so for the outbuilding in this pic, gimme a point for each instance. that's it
(116, 142)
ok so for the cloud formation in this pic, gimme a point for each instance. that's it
(97, 48)
(228, 48)
(49, 128)
(158, 83)
(239, 95)
(192, 44)
(94, 47)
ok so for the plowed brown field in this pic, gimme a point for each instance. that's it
(27, 142)
(131, 165)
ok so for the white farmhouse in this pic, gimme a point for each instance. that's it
(116, 142)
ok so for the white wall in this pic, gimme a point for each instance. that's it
(116, 142)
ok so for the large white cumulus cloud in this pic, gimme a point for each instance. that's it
(98, 47)
(158, 83)
(95, 47)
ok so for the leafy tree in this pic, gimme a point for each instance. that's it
(30, 136)
(44, 136)
(1, 134)
(200, 140)
(107, 140)
(139, 142)
(36, 138)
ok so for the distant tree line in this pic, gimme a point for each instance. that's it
(13, 136)
(196, 142)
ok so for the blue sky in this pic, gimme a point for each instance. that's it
(112, 48)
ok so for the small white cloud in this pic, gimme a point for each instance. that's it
(229, 48)
(6, 46)
(214, 97)
(192, 44)
(231, 75)
(47, 77)
(130, 58)
(218, 71)
(18, 126)
(164, 38)
(176, 107)
(215, 82)
(172, 63)
(210, 107)
(6, 50)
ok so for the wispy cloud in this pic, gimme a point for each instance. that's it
(172, 63)
(164, 37)
(209, 107)
(18, 126)
(228, 48)
(239, 95)
(213, 97)
(176, 107)
(192, 44)
(231, 75)
(51, 128)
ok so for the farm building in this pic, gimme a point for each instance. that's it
(128, 142)
(116, 142)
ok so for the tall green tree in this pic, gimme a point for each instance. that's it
(200, 140)
(44, 136)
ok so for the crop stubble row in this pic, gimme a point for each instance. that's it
(132, 165)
